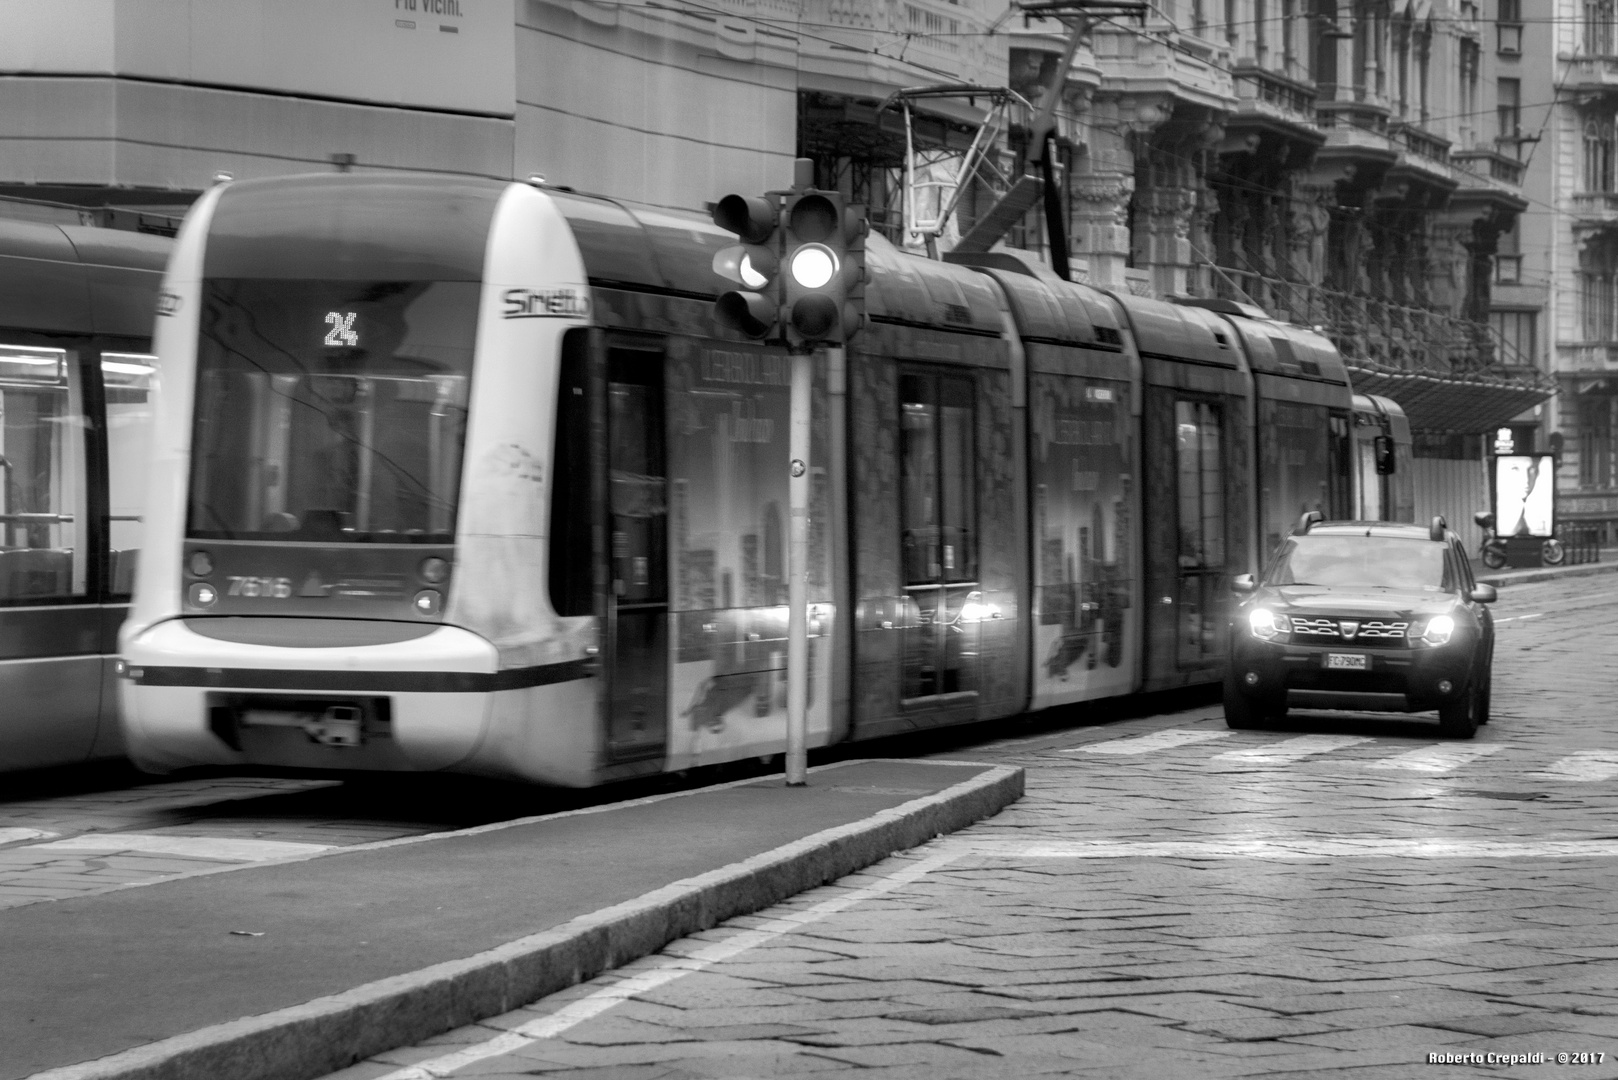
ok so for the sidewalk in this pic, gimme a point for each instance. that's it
(298, 968)
(1528, 575)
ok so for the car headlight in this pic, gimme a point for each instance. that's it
(1438, 630)
(1267, 624)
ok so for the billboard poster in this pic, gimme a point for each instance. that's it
(1084, 579)
(1524, 495)
(729, 407)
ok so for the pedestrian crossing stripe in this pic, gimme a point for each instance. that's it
(1582, 766)
(1437, 759)
(1287, 847)
(1585, 766)
(1145, 744)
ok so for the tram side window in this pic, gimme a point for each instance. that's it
(42, 485)
(571, 569)
(1201, 497)
(128, 381)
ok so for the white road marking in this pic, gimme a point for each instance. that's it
(11, 836)
(1584, 766)
(1509, 618)
(669, 969)
(1145, 744)
(1298, 847)
(1438, 759)
(1288, 750)
(223, 848)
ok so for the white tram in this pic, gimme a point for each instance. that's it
(456, 474)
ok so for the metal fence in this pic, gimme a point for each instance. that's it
(1581, 541)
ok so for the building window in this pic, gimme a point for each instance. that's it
(1508, 108)
(1508, 28)
(1600, 153)
(1598, 23)
(1470, 54)
(1514, 336)
(1595, 442)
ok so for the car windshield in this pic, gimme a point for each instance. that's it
(1389, 562)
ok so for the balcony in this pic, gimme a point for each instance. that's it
(1590, 74)
(1169, 61)
(1593, 210)
(1587, 356)
(1270, 104)
(1487, 164)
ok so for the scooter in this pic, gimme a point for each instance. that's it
(1493, 549)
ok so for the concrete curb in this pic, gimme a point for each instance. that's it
(331, 1033)
(1549, 573)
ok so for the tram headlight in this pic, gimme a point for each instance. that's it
(200, 563)
(429, 602)
(434, 571)
(1439, 629)
(1266, 624)
(201, 594)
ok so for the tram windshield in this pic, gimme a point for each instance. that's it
(331, 411)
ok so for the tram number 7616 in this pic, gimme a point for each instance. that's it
(278, 588)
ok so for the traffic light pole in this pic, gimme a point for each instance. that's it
(797, 756)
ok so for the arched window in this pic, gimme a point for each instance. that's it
(1598, 289)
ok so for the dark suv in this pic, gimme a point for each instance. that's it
(1366, 616)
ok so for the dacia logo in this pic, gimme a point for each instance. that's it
(544, 303)
(1349, 627)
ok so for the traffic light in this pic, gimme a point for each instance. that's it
(823, 262)
(755, 308)
(800, 264)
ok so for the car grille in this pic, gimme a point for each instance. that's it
(1371, 633)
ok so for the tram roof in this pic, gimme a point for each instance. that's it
(1046, 307)
(1278, 348)
(1171, 332)
(79, 279)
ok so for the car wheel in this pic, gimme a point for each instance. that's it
(1459, 719)
(1485, 692)
(1241, 711)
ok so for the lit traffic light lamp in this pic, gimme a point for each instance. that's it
(755, 309)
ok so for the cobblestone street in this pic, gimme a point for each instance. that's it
(1336, 894)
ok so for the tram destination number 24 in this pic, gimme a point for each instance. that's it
(342, 332)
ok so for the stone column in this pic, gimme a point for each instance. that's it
(1103, 181)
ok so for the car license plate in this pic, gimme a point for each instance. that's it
(1348, 661)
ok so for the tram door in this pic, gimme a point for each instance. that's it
(940, 536)
(638, 600)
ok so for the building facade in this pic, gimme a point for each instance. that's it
(1352, 165)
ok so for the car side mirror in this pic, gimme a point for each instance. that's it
(1385, 460)
(1484, 594)
(1243, 583)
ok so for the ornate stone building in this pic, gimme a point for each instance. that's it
(1355, 165)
